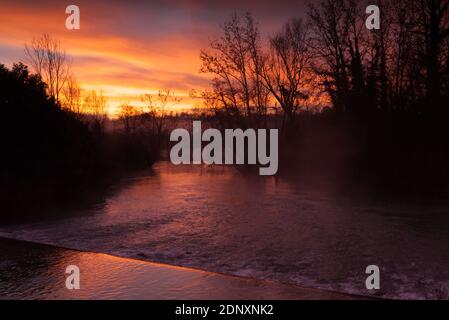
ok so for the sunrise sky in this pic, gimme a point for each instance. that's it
(128, 48)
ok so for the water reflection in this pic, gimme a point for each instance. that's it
(289, 229)
(38, 272)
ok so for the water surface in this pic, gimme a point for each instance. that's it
(292, 229)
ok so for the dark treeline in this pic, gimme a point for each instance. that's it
(50, 154)
(331, 57)
(369, 104)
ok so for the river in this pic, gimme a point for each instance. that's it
(290, 229)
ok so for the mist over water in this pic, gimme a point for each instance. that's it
(292, 229)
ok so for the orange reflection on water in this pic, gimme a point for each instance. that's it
(39, 273)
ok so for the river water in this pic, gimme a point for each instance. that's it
(291, 229)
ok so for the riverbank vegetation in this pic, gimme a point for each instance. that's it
(369, 107)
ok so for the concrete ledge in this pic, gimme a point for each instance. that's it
(35, 271)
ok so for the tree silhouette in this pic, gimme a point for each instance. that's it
(286, 71)
(40, 140)
(50, 62)
(236, 61)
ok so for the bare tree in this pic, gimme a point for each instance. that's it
(337, 31)
(235, 61)
(432, 23)
(286, 72)
(128, 116)
(50, 62)
(159, 107)
(72, 95)
(95, 106)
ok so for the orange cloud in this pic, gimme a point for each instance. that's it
(104, 58)
(128, 47)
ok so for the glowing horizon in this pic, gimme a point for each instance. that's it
(126, 49)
